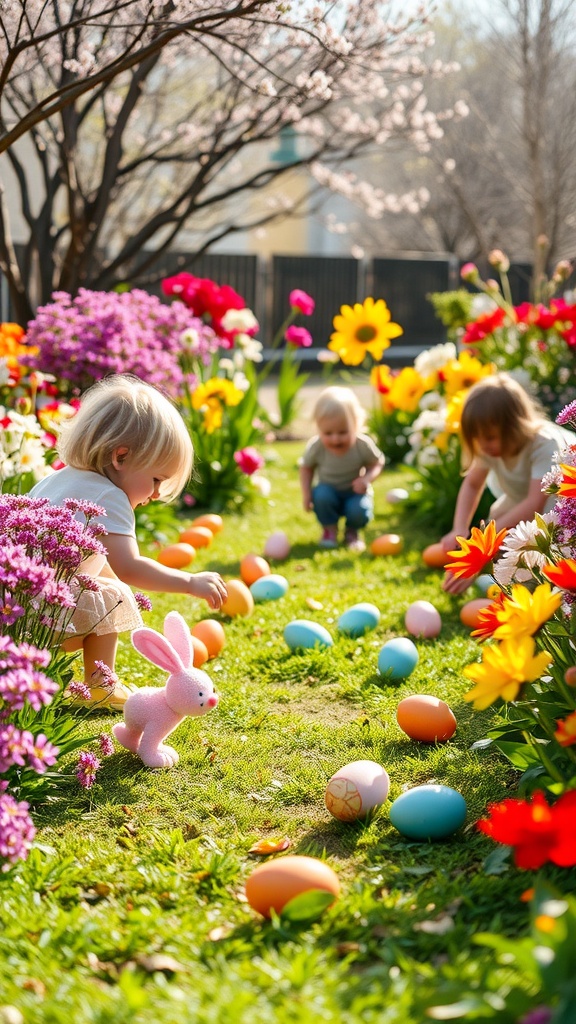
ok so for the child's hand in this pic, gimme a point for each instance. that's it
(448, 541)
(210, 587)
(455, 586)
(307, 503)
(360, 485)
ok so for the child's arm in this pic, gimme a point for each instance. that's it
(471, 490)
(306, 476)
(134, 569)
(534, 502)
(361, 484)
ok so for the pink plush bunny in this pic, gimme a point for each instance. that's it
(152, 713)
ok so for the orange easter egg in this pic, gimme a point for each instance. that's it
(200, 651)
(387, 544)
(425, 718)
(252, 568)
(214, 522)
(273, 884)
(211, 633)
(198, 536)
(239, 600)
(435, 556)
(469, 611)
(177, 556)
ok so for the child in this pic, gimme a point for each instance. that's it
(508, 444)
(126, 446)
(346, 463)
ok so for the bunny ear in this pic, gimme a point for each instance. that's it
(177, 633)
(157, 649)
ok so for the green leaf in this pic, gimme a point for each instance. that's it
(308, 906)
(498, 861)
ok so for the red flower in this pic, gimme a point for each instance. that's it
(563, 574)
(474, 553)
(489, 618)
(249, 460)
(484, 325)
(539, 833)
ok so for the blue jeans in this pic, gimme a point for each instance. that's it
(330, 505)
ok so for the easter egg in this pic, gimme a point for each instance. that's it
(252, 567)
(273, 884)
(198, 536)
(239, 600)
(469, 611)
(387, 544)
(359, 619)
(211, 520)
(483, 583)
(428, 812)
(200, 651)
(211, 633)
(277, 546)
(303, 633)
(398, 658)
(425, 718)
(435, 556)
(356, 790)
(423, 619)
(396, 495)
(177, 556)
(269, 588)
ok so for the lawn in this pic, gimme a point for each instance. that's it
(132, 907)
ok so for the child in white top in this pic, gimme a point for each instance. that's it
(508, 445)
(345, 462)
(126, 446)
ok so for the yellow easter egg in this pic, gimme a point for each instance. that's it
(387, 544)
(239, 600)
(177, 556)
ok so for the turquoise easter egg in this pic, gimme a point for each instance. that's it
(484, 582)
(269, 588)
(303, 633)
(428, 812)
(359, 619)
(398, 658)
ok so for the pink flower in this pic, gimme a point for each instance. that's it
(469, 272)
(298, 336)
(302, 301)
(249, 460)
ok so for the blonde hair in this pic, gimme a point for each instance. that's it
(340, 401)
(122, 411)
(499, 403)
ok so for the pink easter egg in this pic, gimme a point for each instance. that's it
(423, 619)
(277, 546)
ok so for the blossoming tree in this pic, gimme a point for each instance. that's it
(145, 119)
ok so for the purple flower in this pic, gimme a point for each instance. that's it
(25, 684)
(9, 610)
(144, 603)
(16, 830)
(298, 336)
(88, 765)
(108, 678)
(40, 753)
(539, 1015)
(80, 690)
(567, 414)
(302, 301)
(106, 744)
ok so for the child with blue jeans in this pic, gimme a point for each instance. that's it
(344, 462)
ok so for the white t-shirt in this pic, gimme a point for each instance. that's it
(513, 477)
(87, 486)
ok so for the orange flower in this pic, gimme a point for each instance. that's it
(563, 574)
(474, 553)
(490, 618)
(566, 731)
(567, 488)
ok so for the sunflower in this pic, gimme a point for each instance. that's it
(363, 328)
(210, 399)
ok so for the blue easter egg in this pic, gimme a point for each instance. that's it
(428, 812)
(303, 633)
(359, 619)
(484, 582)
(398, 658)
(269, 588)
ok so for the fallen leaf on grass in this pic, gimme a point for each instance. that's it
(264, 847)
(159, 962)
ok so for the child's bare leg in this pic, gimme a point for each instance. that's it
(100, 647)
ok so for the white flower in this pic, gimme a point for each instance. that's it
(262, 484)
(250, 347)
(434, 359)
(482, 304)
(240, 320)
(226, 365)
(240, 381)
(326, 356)
(4, 372)
(190, 340)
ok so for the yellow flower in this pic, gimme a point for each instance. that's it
(407, 390)
(363, 328)
(460, 374)
(523, 613)
(504, 669)
(211, 397)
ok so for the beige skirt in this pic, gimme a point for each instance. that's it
(111, 609)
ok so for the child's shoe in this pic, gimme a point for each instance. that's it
(353, 541)
(329, 538)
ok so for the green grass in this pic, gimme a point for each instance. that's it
(132, 908)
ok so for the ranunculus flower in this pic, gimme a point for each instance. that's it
(298, 336)
(539, 833)
(469, 272)
(249, 460)
(302, 301)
